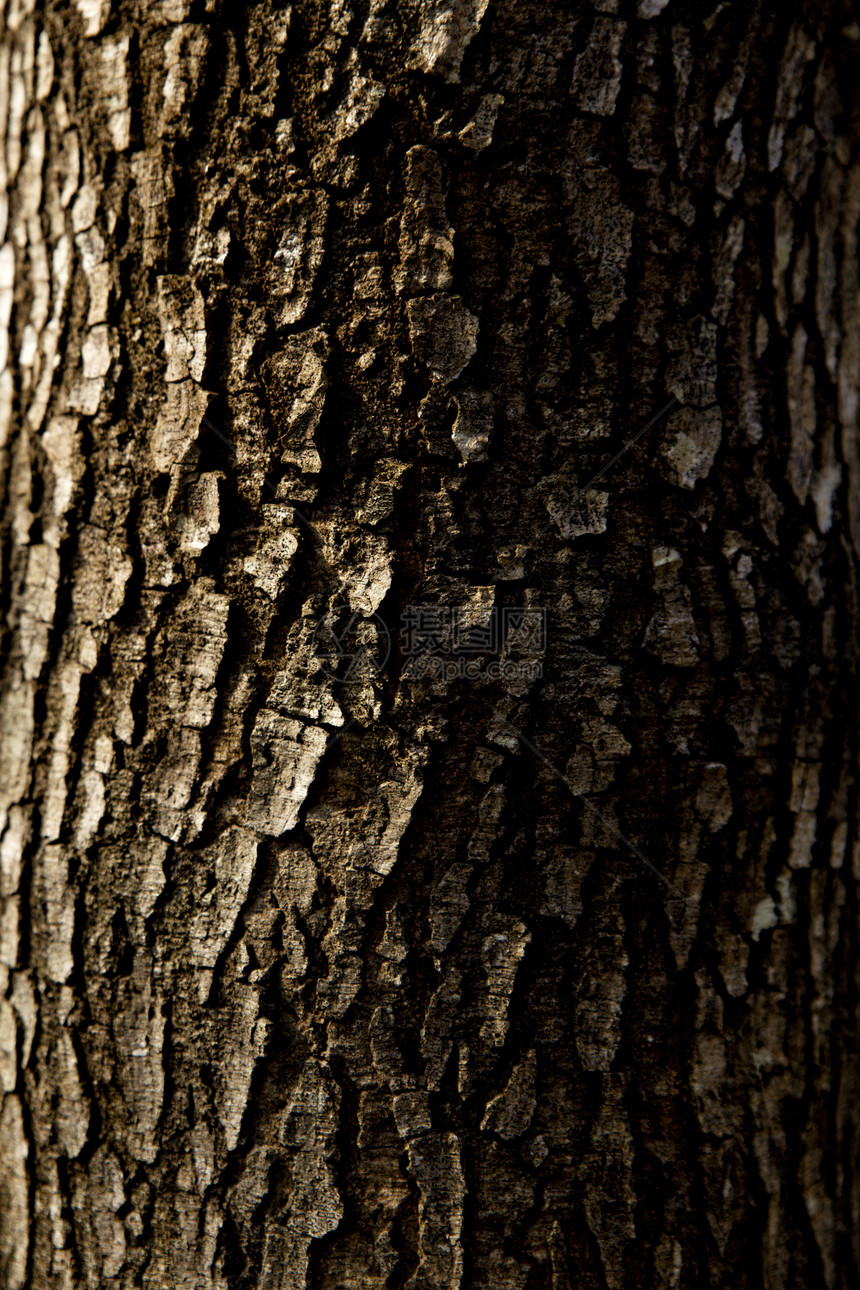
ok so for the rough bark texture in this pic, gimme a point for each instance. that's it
(339, 308)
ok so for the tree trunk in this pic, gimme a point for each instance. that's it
(338, 950)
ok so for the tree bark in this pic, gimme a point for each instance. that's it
(316, 971)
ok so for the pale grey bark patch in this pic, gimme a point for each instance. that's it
(731, 167)
(153, 192)
(269, 566)
(449, 902)
(94, 14)
(381, 494)
(724, 270)
(434, 1162)
(672, 633)
(299, 380)
(510, 1113)
(299, 255)
(478, 133)
(607, 1163)
(285, 756)
(443, 333)
(446, 28)
(802, 415)
(692, 441)
(601, 222)
(597, 70)
(800, 49)
(14, 1195)
(426, 247)
(184, 60)
(218, 908)
(575, 512)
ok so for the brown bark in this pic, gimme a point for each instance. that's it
(311, 314)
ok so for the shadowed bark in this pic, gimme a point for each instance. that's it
(328, 963)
